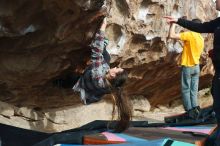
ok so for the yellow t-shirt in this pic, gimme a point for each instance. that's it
(192, 48)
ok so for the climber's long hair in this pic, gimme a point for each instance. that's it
(121, 101)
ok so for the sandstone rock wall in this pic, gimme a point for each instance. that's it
(138, 33)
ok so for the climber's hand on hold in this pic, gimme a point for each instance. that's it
(101, 13)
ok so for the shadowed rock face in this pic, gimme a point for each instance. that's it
(44, 40)
(41, 41)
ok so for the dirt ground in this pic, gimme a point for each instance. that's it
(158, 113)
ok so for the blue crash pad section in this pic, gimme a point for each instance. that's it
(135, 141)
(205, 129)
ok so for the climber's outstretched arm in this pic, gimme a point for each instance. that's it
(97, 58)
